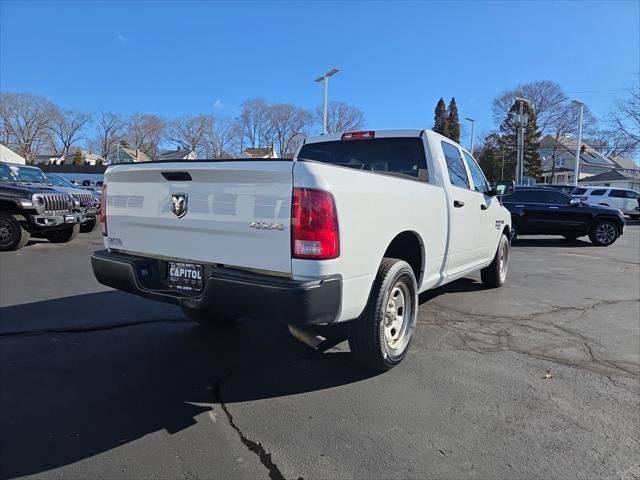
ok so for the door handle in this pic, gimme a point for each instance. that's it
(483, 206)
(520, 206)
(458, 203)
(554, 208)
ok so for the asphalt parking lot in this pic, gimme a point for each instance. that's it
(101, 384)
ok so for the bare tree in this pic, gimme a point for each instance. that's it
(191, 132)
(563, 121)
(546, 97)
(110, 129)
(26, 119)
(255, 123)
(627, 115)
(612, 142)
(341, 117)
(289, 125)
(145, 132)
(66, 128)
(222, 138)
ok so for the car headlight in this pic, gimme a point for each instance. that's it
(38, 201)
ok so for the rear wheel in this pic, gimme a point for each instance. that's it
(13, 232)
(63, 236)
(495, 275)
(514, 230)
(88, 226)
(205, 317)
(604, 233)
(380, 337)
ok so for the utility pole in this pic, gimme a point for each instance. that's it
(521, 123)
(576, 169)
(502, 170)
(472, 121)
(325, 78)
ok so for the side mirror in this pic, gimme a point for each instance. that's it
(575, 202)
(503, 187)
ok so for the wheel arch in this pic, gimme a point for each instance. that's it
(408, 246)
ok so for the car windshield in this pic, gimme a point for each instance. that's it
(30, 175)
(6, 174)
(60, 182)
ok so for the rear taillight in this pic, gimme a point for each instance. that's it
(103, 211)
(584, 199)
(358, 135)
(314, 225)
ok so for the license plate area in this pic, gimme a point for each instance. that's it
(185, 277)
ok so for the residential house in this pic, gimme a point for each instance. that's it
(88, 157)
(613, 178)
(268, 152)
(179, 154)
(127, 155)
(9, 156)
(627, 167)
(591, 161)
(49, 159)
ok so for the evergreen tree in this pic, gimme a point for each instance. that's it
(77, 159)
(440, 123)
(489, 157)
(453, 122)
(509, 129)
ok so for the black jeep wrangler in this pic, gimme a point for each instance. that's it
(33, 211)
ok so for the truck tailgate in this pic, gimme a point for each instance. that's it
(238, 213)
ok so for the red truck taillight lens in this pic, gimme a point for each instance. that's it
(314, 225)
(103, 211)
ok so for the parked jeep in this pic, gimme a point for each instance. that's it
(32, 210)
(89, 200)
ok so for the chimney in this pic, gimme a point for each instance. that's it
(137, 153)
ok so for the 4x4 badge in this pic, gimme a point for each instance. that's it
(179, 204)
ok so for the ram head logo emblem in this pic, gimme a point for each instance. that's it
(179, 204)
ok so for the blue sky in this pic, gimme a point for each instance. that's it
(396, 58)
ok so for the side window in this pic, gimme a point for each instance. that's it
(455, 166)
(556, 198)
(524, 196)
(598, 193)
(479, 182)
(579, 191)
(618, 193)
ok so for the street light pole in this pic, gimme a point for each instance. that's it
(576, 169)
(522, 122)
(325, 78)
(472, 124)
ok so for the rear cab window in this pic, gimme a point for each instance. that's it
(397, 156)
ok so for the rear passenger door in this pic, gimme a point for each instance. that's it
(465, 248)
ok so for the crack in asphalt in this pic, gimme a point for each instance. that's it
(256, 447)
(533, 335)
(96, 328)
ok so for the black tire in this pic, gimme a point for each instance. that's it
(376, 342)
(604, 233)
(63, 236)
(514, 230)
(88, 226)
(571, 238)
(495, 275)
(13, 232)
(206, 318)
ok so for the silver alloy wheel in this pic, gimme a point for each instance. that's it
(6, 231)
(397, 316)
(606, 233)
(503, 261)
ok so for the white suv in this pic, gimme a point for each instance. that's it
(623, 199)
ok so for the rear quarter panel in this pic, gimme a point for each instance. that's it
(372, 210)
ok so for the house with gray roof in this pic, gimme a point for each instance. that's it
(179, 154)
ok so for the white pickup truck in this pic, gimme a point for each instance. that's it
(352, 228)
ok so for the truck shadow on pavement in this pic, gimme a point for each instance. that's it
(84, 374)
